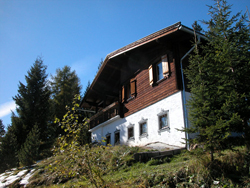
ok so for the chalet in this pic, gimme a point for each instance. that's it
(139, 92)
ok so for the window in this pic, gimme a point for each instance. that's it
(108, 139)
(129, 90)
(159, 70)
(159, 74)
(117, 137)
(130, 132)
(143, 127)
(163, 121)
(163, 117)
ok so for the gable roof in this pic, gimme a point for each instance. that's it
(109, 77)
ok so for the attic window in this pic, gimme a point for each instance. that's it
(159, 71)
(129, 90)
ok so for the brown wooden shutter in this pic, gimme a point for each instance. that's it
(133, 87)
(123, 94)
(150, 71)
(165, 66)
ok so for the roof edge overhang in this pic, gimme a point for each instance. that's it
(154, 36)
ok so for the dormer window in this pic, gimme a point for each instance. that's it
(159, 71)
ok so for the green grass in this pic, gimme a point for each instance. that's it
(117, 168)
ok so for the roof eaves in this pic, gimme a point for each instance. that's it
(144, 40)
(133, 45)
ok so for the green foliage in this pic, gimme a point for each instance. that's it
(64, 85)
(71, 142)
(32, 109)
(28, 153)
(8, 151)
(184, 170)
(218, 74)
(87, 163)
(75, 126)
(32, 103)
(2, 131)
(153, 162)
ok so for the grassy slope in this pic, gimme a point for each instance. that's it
(117, 169)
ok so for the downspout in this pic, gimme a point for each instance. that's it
(183, 86)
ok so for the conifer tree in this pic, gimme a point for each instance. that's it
(64, 85)
(219, 74)
(8, 150)
(2, 131)
(32, 102)
(29, 150)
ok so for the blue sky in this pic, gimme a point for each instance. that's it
(79, 33)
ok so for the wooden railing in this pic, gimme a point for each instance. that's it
(105, 114)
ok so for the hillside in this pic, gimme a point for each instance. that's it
(115, 167)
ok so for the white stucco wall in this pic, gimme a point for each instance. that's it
(172, 104)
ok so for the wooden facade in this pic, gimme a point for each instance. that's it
(124, 77)
(149, 94)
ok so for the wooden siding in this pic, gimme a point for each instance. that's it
(148, 94)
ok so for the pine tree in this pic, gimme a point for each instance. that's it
(8, 150)
(64, 85)
(29, 151)
(218, 75)
(2, 131)
(32, 102)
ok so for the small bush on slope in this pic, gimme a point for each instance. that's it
(117, 169)
(89, 164)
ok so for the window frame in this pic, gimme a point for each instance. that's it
(129, 90)
(115, 141)
(131, 126)
(156, 76)
(158, 71)
(161, 114)
(141, 123)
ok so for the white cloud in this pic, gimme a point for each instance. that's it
(86, 69)
(6, 108)
(85, 66)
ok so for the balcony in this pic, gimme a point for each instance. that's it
(105, 114)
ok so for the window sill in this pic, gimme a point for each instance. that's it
(164, 129)
(161, 80)
(131, 139)
(130, 99)
(143, 135)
